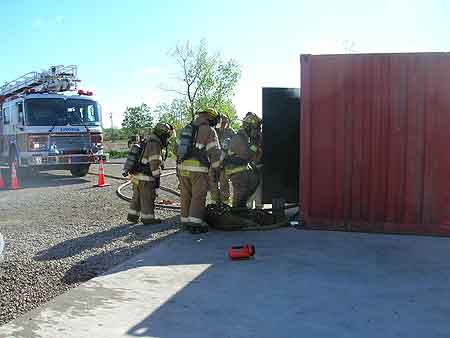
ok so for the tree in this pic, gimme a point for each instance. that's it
(173, 113)
(113, 134)
(227, 108)
(136, 118)
(204, 80)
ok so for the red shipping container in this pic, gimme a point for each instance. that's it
(375, 142)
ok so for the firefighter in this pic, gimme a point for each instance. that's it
(146, 175)
(244, 152)
(219, 182)
(198, 149)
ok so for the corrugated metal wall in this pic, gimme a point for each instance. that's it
(375, 142)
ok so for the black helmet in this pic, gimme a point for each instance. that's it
(251, 121)
(164, 131)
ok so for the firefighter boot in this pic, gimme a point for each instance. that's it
(133, 218)
(151, 221)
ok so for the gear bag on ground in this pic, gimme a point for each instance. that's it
(223, 217)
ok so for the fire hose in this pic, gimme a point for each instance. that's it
(177, 193)
(163, 188)
(128, 182)
(214, 210)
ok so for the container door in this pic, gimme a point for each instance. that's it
(281, 118)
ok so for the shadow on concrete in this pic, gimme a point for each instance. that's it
(327, 287)
(300, 284)
(226, 298)
(101, 263)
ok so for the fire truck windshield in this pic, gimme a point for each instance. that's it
(82, 112)
(61, 112)
(45, 112)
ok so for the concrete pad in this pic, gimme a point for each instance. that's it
(300, 284)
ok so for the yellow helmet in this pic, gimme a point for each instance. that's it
(213, 115)
(211, 112)
(251, 120)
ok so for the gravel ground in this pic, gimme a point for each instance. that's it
(60, 232)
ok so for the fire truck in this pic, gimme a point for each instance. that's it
(47, 123)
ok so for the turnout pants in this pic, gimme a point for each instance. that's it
(194, 187)
(220, 191)
(143, 201)
(245, 184)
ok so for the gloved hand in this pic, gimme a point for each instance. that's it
(157, 182)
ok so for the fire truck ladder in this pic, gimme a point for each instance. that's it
(35, 80)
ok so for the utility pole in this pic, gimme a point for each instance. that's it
(112, 126)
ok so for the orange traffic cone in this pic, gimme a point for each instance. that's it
(101, 176)
(2, 182)
(14, 180)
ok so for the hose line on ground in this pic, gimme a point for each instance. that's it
(274, 226)
(121, 163)
(163, 188)
(119, 193)
(128, 182)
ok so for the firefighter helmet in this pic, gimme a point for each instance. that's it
(251, 121)
(211, 112)
(212, 115)
(164, 130)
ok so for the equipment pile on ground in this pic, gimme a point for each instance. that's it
(223, 217)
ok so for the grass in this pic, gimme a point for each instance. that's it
(118, 153)
(124, 153)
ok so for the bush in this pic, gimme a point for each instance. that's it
(115, 134)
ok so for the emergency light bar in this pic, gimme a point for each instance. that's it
(85, 92)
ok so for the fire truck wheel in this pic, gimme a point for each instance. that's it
(79, 170)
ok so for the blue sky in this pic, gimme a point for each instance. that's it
(121, 46)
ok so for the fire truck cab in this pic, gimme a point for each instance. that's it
(46, 123)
